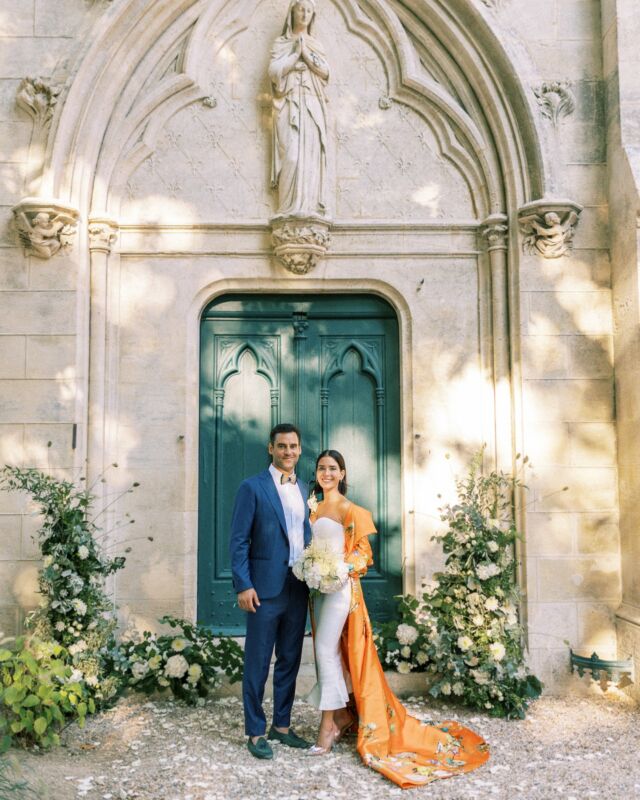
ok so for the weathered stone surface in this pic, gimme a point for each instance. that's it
(51, 356)
(12, 356)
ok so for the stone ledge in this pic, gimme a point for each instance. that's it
(401, 685)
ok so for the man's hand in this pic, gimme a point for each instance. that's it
(248, 600)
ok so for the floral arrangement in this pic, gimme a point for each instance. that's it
(189, 663)
(321, 568)
(40, 692)
(75, 610)
(464, 628)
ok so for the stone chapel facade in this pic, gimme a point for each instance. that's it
(483, 166)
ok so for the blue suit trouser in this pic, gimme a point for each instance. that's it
(278, 622)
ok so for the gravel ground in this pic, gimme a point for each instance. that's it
(572, 747)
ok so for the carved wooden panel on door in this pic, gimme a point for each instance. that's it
(331, 365)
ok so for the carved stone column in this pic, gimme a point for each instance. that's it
(45, 226)
(495, 233)
(548, 227)
(103, 233)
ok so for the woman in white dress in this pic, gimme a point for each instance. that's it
(331, 692)
(408, 751)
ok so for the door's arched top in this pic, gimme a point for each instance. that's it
(262, 350)
(367, 353)
(440, 60)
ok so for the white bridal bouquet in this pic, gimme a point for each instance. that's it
(321, 569)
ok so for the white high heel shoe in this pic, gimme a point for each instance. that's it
(317, 750)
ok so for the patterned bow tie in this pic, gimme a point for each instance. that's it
(288, 479)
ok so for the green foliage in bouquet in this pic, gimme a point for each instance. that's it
(40, 692)
(74, 610)
(464, 627)
(188, 663)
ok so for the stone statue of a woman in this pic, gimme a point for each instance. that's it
(299, 73)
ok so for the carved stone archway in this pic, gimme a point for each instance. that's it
(147, 61)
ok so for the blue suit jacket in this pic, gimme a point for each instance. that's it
(259, 544)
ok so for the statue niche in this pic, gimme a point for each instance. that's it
(299, 72)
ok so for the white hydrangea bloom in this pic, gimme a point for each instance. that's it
(480, 677)
(478, 620)
(176, 666)
(83, 552)
(493, 546)
(445, 688)
(195, 673)
(422, 657)
(406, 634)
(458, 688)
(80, 606)
(464, 642)
(405, 652)
(404, 667)
(140, 669)
(497, 651)
(491, 603)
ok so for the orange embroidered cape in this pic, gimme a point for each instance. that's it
(404, 749)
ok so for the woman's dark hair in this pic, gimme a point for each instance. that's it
(339, 459)
(284, 427)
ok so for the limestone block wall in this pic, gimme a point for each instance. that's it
(39, 368)
(211, 166)
(568, 407)
(620, 29)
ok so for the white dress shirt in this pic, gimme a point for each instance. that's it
(293, 507)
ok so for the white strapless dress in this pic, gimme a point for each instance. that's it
(330, 611)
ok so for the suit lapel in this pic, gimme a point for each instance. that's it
(307, 526)
(274, 498)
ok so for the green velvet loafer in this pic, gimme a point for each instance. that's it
(291, 739)
(261, 749)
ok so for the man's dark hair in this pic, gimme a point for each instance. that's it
(284, 427)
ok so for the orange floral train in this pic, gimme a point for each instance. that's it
(404, 749)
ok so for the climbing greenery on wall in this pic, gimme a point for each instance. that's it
(463, 628)
(72, 663)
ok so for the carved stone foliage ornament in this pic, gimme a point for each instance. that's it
(38, 99)
(548, 227)
(495, 230)
(45, 227)
(556, 99)
(299, 72)
(103, 232)
(299, 243)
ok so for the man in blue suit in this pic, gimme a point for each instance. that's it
(269, 529)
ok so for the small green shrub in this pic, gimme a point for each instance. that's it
(188, 663)
(40, 692)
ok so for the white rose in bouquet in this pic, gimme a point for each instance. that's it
(321, 569)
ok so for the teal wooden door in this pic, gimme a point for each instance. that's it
(329, 364)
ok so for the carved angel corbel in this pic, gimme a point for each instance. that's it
(548, 227)
(45, 227)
